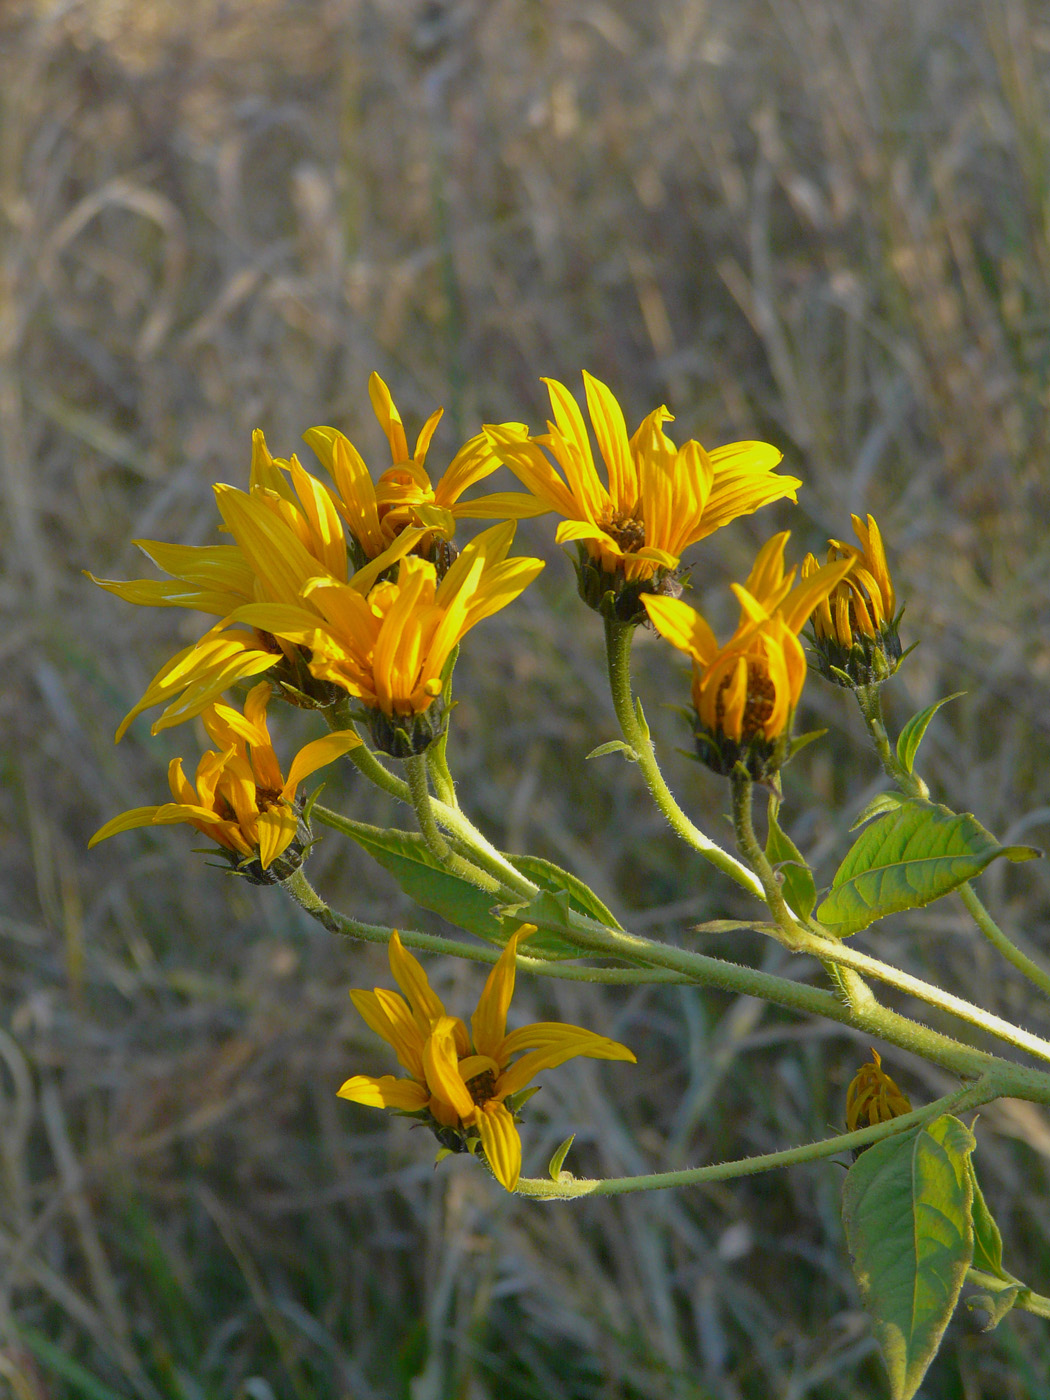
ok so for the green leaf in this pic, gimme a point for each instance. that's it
(613, 746)
(406, 856)
(906, 1210)
(881, 802)
(990, 1308)
(550, 911)
(553, 877)
(907, 858)
(800, 889)
(987, 1241)
(559, 1157)
(910, 737)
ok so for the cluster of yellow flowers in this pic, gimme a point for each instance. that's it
(351, 596)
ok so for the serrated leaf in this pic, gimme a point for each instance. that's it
(991, 1307)
(881, 802)
(613, 746)
(800, 889)
(987, 1241)
(906, 1211)
(910, 737)
(555, 1166)
(907, 858)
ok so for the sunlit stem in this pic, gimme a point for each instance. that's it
(869, 700)
(419, 788)
(437, 761)
(960, 1101)
(618, 637)
(848, 982)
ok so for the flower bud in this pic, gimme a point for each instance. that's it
(855, 628)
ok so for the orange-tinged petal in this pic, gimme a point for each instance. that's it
(127, 821)
(276, 829)
(489, 1022)
(441, 1067)
(386, 1091)
(425, 1004)
(555, 1050)
(683, 627)
(501, 1143)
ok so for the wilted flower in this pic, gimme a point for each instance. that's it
(872, 1097)
(241, 800)
(463, 1083)
(660, 498)
(745, 693)
(855, 628)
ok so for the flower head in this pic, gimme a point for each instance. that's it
(872, 1097)
(241, 800)
(745, 693)
(462, 1082)
(404, 498)
(659, 500)
(855, 628)
(388, 648)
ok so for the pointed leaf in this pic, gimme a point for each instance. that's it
(906, 1211)
(613, 746)
(907, 858)
(910, 737)
(581, 897)
(987, 1241)
(800, 889)
(881, 802)
(555, 1166)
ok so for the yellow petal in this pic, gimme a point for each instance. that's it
(557, 1043)
(385, 1092)
(276, 830)
(127, 821)
(683, 627)
(489, 1022)
(408, 972)
(441, 1067)
(501, 1143)
(389, 1016)
(389, 419)
(317, 754)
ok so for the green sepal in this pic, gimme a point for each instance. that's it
(906, 1211)
(613, 746)
(442, 1153)
(555, 1165)
(800, 888)
(907, 858)
(910, 737)
(516, 1102)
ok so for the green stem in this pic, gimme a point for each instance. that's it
(416, 772)
(957, 1102)
(618, 637)
(998, 939)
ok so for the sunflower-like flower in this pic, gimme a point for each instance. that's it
(873, 1097)
(388, 648)
(745, 693)
(462, 1083)
(241, 799)
(404, 498)
(855, 629)
(660, 499)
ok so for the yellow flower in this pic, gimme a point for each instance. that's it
(745, 693)
(241, 799)
(389, 648)
(404, 498)
(856, 627)
(461, 1081)
(872, 1097)
(660, 499)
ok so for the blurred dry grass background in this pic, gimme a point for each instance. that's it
(823, 222)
